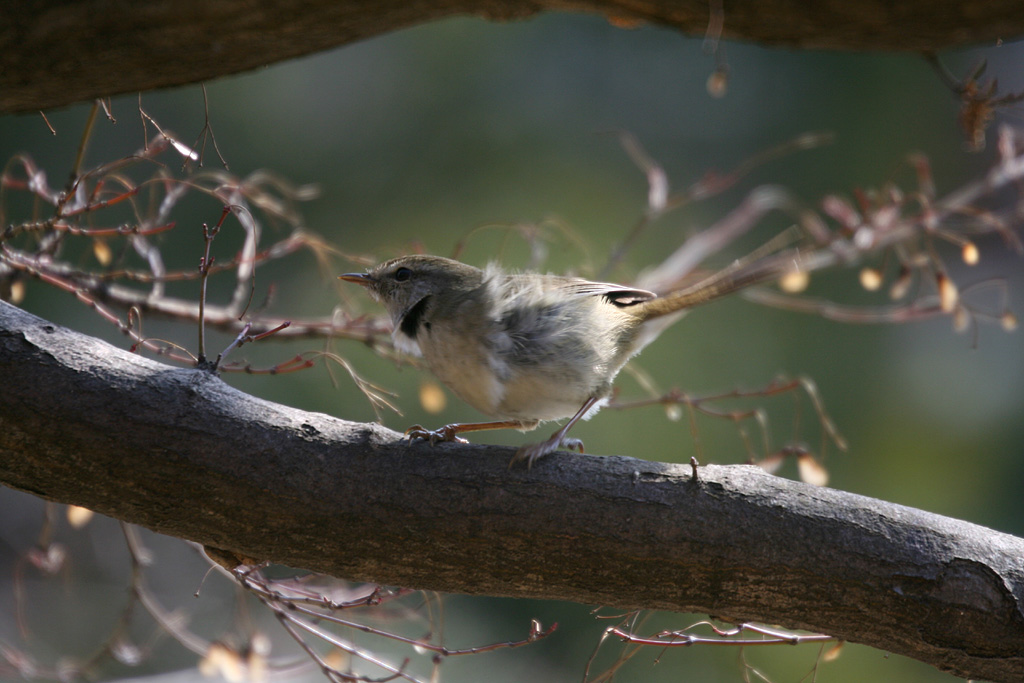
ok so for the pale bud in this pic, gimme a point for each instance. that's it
(338, 659)
(718, 83)
(432, 398)
(833, 652)
(948, 294)
(970, 253)
(901, 286)
(101, 250)
(771, 463)
(78, 516)
(870, 279)
(811, 471)
(221, 660)
(256, 662)
(125, 652)
(795, 281)
(961, 319)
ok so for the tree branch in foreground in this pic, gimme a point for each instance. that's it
(180, 452)
(55, 53)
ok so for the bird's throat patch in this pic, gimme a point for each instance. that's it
(410, 324)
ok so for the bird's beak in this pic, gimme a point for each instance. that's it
(358, 278)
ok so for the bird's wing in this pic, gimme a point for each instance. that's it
(619, 295)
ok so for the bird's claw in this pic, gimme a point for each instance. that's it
(447, 433)
(530, 453)
(571, 444)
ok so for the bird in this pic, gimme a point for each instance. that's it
(527, 347)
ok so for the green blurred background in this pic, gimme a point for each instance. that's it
(423, 135)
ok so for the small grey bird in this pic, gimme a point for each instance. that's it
(529, 347)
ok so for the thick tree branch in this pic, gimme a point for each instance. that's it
(54, 53)
(180, 452)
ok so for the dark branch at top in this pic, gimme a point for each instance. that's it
(57, 53)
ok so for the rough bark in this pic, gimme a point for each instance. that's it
(54, 53)
(181, 452)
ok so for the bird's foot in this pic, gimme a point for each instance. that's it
(446, 433)
(530, 453)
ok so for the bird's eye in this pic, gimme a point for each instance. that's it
(402, 274)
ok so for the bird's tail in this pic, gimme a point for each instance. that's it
(738, 276)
